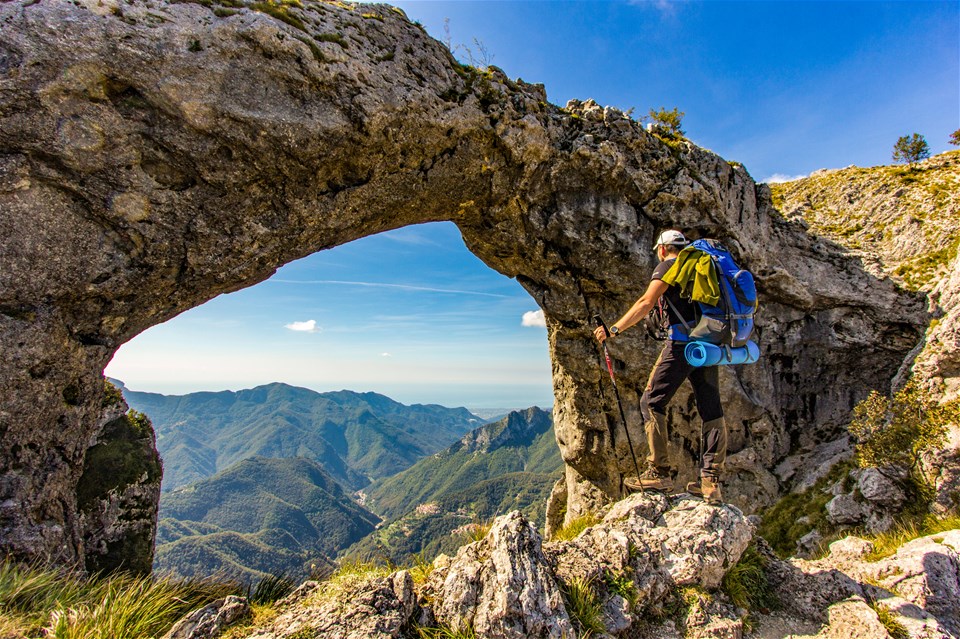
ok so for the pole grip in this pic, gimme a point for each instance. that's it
(599, 322)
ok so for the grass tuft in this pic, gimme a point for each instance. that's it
(442, 632)
(891, 624)
(575, 527)
(887, 543)
(746, 583)
(584, 606)
(45, 602)
(350, 577)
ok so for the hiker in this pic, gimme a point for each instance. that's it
(668, 374)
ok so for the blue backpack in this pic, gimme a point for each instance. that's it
(730, 323)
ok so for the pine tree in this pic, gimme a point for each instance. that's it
(667, 122)
(911, 149)
(955, 138)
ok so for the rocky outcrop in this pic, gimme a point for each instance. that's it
(117, 494)
(155, 155)
(651, 568)
(210, 621)
(511, 584)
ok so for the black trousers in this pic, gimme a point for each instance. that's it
(668, 374)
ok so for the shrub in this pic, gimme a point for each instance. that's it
(898, 431)
(667, 122)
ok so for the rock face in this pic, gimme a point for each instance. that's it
(512, 585)
(154, 155)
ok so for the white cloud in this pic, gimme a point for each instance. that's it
(386, 355)
(776, 178)
(310, 326)
(534, 318)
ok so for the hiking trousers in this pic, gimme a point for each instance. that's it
(667, 375)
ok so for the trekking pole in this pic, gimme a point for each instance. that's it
(616, 393)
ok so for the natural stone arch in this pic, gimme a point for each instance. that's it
(153, 156)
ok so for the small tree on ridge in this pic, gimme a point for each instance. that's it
(955, 138)
(911, 149)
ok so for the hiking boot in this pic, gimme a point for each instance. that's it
(653, 478)
(708, 488)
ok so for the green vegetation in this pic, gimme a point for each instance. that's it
(622, 583)
(435, 505)
(666, 126)
(522, 442)
(796, 514)
(576, 526)
(44, 602)
(354, 436)
(889, 620)
(333, 37)
(886, 544)
(955, 138)
(349, 579)
(112, 396)
(584, 606)
(916, 271)
(911, 149)
(898, 431)
(464, 632)
(876, 209)
(258, 517)
(746, 583)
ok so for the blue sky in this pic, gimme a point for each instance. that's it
(786, 88)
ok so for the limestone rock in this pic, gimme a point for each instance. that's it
(211, 620)
(918, 586)
(845, 510)
(878, 488)
(155, 155)
(853, 618)
(374, 608)
(501, 586)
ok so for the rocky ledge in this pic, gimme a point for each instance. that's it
(651, 568)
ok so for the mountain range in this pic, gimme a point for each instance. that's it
(510, 464)
(355, 437)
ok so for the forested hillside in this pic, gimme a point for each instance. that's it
(259, 516)
(510, 464)
(355, 437)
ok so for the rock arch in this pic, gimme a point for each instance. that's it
(155, 155)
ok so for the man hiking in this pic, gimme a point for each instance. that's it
(668, 374)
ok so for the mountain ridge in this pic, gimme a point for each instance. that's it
(357, 437)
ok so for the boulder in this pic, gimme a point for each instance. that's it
(373, 608)
(501, 586)
(210, 621)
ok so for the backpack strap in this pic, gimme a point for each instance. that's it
(677, 313)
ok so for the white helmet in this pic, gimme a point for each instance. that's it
(674, 238)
